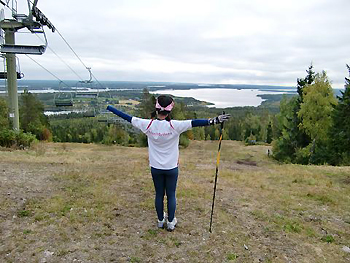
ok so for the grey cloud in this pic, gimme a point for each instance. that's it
(315, 31)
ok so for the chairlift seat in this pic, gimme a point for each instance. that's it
(102, 120)
(89, 114)
(87, 95)
(67, 103)
(3, 75)
(23, 49)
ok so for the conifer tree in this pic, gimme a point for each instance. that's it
(292, 138)
(340, 131)
(301, 83)
(302, 138)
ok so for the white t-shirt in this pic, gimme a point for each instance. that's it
(163, 140)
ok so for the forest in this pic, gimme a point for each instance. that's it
(309, 128)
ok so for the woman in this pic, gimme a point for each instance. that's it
(163, 142)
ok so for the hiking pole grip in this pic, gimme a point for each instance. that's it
(216, 173)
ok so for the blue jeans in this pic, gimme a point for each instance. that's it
(165, 181)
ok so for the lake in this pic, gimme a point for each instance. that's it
(224, 98)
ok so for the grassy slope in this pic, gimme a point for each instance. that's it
(94, 203)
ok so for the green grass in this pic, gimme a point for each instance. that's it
(23, 213)
(231, 256)
(135, 260)
(328, 239)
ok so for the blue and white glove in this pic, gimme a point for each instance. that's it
(219, 119)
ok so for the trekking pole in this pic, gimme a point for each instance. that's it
(216, 174)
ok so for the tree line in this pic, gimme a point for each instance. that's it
(34, 124)
(309, 128)
(314, 125)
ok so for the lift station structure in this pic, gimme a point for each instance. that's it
(34, 22)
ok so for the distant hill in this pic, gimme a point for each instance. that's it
(44, 84)
(139, 85)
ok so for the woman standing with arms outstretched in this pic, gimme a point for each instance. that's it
(163, 142)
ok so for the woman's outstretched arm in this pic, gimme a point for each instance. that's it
(200, 122)
(119, 113)
(206, 122)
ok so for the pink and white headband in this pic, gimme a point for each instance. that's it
(167, 108)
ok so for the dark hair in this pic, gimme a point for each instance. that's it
(164, 101)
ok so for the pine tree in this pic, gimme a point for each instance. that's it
(292, 138)
(302, 138)
(301, 83)
(340, 131)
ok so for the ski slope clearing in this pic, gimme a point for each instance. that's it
(94, 203)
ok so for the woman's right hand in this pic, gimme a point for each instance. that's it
(219, 119)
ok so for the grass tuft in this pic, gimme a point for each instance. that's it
(232, 256)
(328, 239)
(23, 213)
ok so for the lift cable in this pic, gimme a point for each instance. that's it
(66, 63)
(89, 69)
(97, 80)
(47, 70)
(7, 5)
(63, 61)
(71, 48)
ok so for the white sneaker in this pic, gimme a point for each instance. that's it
(160, 224)
(171, 225)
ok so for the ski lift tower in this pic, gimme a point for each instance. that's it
(10, 49)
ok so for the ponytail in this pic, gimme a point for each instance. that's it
(153, 114)
(157, 111)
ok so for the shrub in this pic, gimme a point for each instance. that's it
(184, 141)
(46, 134)
(282, 151)
(302, 155)
(16, 139)
(24, 139)
(4, 121)
(7, 138)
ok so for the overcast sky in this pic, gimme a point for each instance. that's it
(200, 41)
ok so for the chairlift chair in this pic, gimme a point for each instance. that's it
(3, 75)
(103, 116)
(89, 113)
(88, 85)
(23, 49)
(63, 99)
(21, 21)
(36, 28)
